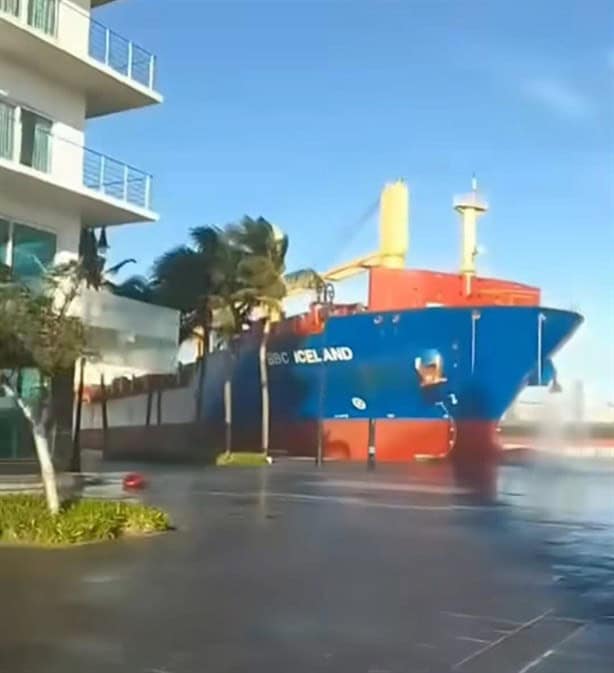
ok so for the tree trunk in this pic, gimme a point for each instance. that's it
(264, 385)
(228, 400)
(42, 451)
(202, 371)
(105, 416)
(75, 462)
(46, 465)
(228, 414)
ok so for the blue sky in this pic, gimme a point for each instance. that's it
(301, 110)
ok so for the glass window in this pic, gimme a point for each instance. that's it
(15, 433)
(35, 141)
(5, 232)
(7, 130)
(10, 6)
(33, 251)
(42, 14)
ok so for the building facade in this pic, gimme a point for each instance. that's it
(60, 69)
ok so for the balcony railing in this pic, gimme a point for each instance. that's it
(122, 55)
(117, 179)
(74, 30)
(32, 142)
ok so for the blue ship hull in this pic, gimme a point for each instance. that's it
(368, 366)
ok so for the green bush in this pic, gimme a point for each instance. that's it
(25, 519)
(242, 459)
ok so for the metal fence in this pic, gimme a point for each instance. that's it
(116, 179)
(121, 55)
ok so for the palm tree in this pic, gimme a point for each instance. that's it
(204, 282)
(222, 282)
(262, 271)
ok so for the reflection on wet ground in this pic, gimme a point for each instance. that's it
(563, 507)
(293, 568)
(569, 505)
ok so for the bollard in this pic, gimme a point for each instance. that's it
(320, 444)
(371, 448)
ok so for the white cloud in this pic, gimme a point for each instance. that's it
(560, 97)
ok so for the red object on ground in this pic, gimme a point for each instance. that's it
(134, 481)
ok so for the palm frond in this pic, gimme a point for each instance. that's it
(282, 245)
(223, 275)
(135, 287)
(113, 270)
(253, 236)
(303, 279)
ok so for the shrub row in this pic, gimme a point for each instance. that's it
(241, 459)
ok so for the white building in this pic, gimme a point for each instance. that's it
(60, 68)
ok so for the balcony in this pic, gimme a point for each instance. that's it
(62, 41)
(38, 164)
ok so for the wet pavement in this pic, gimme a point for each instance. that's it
(290, 568)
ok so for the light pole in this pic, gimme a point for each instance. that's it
(75, 461)
(371, 447)
(320, 428)
(326, 296)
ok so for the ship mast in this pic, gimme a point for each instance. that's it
(470, 207)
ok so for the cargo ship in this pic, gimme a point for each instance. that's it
(426, 365)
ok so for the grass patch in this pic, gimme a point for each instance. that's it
(25, 519)
(242, 459)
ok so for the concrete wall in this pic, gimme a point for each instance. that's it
(65, 107)
(171, 435)
(171, 443)
(178, 405)
(73, 26)
(24, 86)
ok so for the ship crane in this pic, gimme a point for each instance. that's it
(393, 237)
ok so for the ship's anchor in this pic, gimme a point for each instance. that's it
(429, 368)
